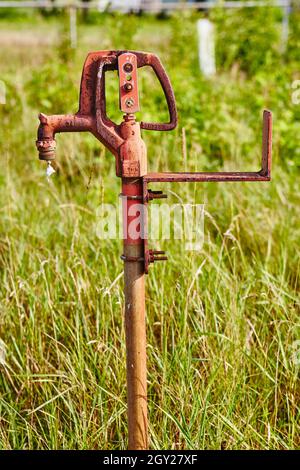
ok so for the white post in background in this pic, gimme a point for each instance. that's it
(73, 27)
(151, 5)
(206, 47)
(2, 92)
(285, 26)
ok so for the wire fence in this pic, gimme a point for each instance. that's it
(149, 6)
(155, 6)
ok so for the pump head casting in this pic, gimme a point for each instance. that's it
(91, 115)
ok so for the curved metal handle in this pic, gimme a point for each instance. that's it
(143, 59)
(107, 130)
(153, 61)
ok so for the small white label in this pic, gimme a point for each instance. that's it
(206, 45)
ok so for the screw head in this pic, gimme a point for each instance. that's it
(129, 102)
(128, 86)
(128, 67)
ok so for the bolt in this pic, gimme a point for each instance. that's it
(129, 102)
(154, 255)
(128, 67)
(128, 86)
(155, 195)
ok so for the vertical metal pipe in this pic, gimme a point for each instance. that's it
(135, 320)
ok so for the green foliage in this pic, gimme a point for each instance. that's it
(14, 14)
(51, 88)
(248, 37)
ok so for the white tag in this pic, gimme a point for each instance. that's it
(206, 47)
(2, 352)
(49, 171)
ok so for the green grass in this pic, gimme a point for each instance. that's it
(223, 323)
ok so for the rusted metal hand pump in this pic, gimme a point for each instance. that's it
(125, 142)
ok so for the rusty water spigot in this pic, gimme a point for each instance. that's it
(46, 149)
(92, 117)
(50, 125)
(46, 143)
(124, 141)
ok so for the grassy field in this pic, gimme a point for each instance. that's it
(223, 323)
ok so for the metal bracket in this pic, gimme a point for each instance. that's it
(264, 174)
(131, 197)
(151, 256)
(149, 195)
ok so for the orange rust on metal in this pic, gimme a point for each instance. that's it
(124, 141)
(135, 320)
(136, 356)
(205, 176)
(267, 145)
(92, 116)
(133, 152)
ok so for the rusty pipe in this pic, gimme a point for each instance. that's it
(135, 315)
(51, 125)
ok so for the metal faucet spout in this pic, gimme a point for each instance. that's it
(50, 125)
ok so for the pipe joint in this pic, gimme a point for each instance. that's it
(46, 149)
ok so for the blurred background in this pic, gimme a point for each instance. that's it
(223, 323)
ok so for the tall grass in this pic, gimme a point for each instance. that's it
(223, 323)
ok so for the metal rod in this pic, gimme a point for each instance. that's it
(206, 176)
(135, 320)
(125, 142)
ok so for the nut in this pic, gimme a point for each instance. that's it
(128, 67)
(129, 102)
(128, 86)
